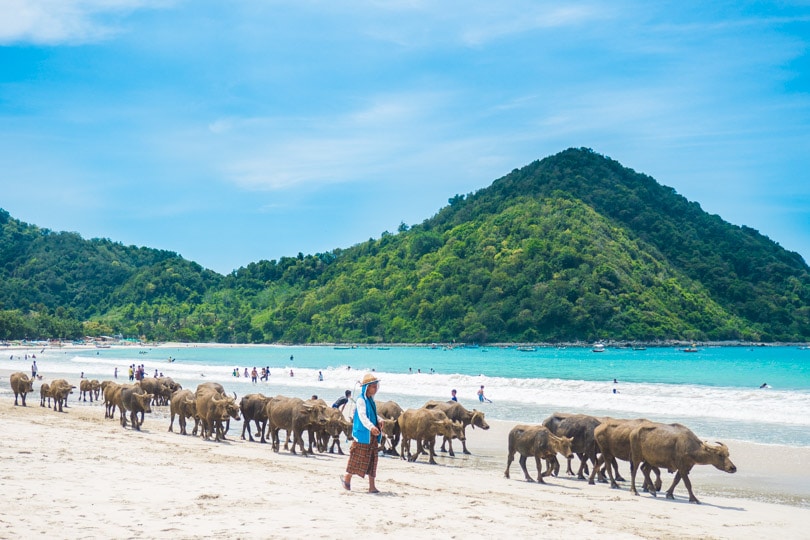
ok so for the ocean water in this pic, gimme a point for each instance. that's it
(716, 391)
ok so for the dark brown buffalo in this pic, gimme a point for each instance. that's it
(390, 410)
(21, 385)
(336, 425)
(170, 388)
(295, 416)
(157, 388)
(457, 413)
(213, 409)
(230, 406)
(535, 441)
(184, 405)
(423, 425)
(578, 427)
(60, 389)
(676, 448)
(254, 409)
(136, 400)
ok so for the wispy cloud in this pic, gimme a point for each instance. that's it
(52, 22)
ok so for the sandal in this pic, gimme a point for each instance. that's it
(345, 484)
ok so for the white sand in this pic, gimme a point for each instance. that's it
(77, 475)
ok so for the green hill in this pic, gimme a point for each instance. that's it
(574, 246)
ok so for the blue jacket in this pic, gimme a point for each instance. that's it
(360, 432)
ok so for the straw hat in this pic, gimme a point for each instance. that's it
(369, 378)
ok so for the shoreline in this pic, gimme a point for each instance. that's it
(85, 476)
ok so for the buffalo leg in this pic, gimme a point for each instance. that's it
(522, 462)
(509, 459)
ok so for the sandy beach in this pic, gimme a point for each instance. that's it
(75, 474)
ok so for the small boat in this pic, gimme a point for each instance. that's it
(526, 349)
(639, 348)
(598, 347)
(691, 349)
(342, 347)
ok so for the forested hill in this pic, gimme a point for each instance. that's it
(574, 246)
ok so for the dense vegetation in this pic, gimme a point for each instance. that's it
(574, 246)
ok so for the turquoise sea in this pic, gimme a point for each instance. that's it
(715, 391)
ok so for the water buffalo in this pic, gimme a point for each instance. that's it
(184, 405)
(390, 410)
(535, 441)
(90, 388)
(59, 391)
(136, 400)
(157, 388)
(295, 416)
(456, 412)
(580, 428)
(44, 393)
(254, 409)
(676, 448)
(21, 385)
(613, 438)
(110, 398)
(423, 425)
(214, 408)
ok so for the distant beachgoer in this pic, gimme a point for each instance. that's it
(314, 397)
(34, 370)
(292, 374)
(320, 376)
(291, 358)
(161, 374)
(82, 375)
(453, 395)
(115, 373)
(615, 381)
(410, 370)
(132, 372)
(615, 391)
(246, 373)
(156, 374)
(481, 397)
(764, 385)
(254, 375)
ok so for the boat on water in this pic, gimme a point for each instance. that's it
(527, 349)
(691, 349)
(639, 348)
(598, 347)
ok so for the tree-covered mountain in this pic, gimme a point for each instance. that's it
(574, 246)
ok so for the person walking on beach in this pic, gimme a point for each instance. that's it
(34, 370)
(453, 395)
(115, 373)
(254, 375)
(342, 401)
(481, 397)
(320, 376)
(363, 455)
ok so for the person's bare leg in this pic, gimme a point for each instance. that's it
(372, 488)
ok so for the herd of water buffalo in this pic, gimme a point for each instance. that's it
(648, 446)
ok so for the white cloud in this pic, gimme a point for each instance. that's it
(51, 22)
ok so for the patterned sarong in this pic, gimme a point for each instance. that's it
(363, 459)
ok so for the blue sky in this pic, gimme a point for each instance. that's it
(231, 132)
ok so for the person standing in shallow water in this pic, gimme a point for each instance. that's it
(363, 455)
